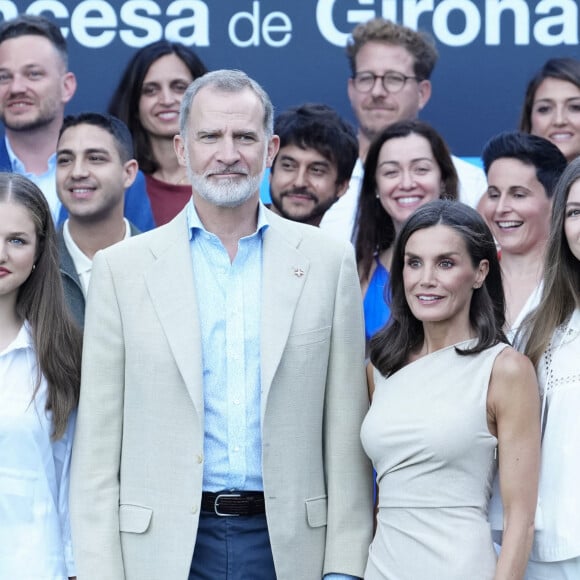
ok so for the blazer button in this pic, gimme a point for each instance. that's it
(194, 509)
(199, 458)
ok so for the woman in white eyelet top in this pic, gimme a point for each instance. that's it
(552, 339)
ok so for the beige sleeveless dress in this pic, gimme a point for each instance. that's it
(426, 434)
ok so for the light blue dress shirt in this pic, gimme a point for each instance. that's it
(229, 301)
(46, 182)
(35, 537)
(229, 296)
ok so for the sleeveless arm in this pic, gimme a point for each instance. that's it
(514, 408)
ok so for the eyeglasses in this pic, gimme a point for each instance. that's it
(393, 82)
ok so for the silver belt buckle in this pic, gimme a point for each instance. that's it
(215, 505)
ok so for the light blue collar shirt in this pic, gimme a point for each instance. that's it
(229, 296)
(45, 182)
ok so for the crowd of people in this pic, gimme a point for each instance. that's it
(375, 376)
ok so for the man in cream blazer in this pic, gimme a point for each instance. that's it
(140, 467)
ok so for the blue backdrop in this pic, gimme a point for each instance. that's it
(295, 49)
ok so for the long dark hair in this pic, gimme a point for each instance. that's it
(40, 301)
(374, 226)
(563, 69)
(391, 346)
(124, 103)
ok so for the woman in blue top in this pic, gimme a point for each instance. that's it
(408, 165)
(40, 353)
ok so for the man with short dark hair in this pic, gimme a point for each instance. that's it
(94, 168)
(35, 86)
(391, 67)
(318, 150)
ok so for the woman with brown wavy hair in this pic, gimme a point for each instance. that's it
(147, 100)
(40, 352)
(408, 165)
(552, 339)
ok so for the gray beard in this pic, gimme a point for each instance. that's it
(229, 193)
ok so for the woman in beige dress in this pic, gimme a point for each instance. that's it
(449, 395)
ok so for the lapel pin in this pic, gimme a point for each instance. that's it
(298, 272)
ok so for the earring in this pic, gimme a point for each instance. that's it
(377, 195)
(33, 267)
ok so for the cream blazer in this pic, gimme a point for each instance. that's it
(137, 464)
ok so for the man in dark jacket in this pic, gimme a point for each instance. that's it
(94, 168)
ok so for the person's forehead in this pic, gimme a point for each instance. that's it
(31, 48)
(303, 154)
(383, 56)
(212, 103)
(84, 137)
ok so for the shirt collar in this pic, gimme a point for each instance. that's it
(574, 323)
(18, 166)
(81, 261)
(194, 223)
(22, 341)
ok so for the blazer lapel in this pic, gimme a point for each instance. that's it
(284, 272)
(172, 290)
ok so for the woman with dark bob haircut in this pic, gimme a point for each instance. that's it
(408, 165)
(448, 394)
(147, 100)
(551, 106)
(40, 356)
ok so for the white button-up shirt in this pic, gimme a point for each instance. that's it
(35, 541)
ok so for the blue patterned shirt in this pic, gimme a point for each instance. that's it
(229, 301)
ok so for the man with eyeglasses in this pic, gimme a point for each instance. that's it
(391, 66)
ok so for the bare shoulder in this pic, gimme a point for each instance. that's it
(510, 364)
(513, 380)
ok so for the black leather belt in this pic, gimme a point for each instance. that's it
(233, 503)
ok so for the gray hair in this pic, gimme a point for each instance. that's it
(228, 81)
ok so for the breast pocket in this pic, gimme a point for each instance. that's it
(309, 337)
(17, 496)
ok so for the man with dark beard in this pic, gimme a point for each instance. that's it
(35, 86)
(318, 150)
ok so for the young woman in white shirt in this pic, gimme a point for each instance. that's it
(40, 352)
(552, 339)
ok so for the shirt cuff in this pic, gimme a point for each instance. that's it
(334, 576)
